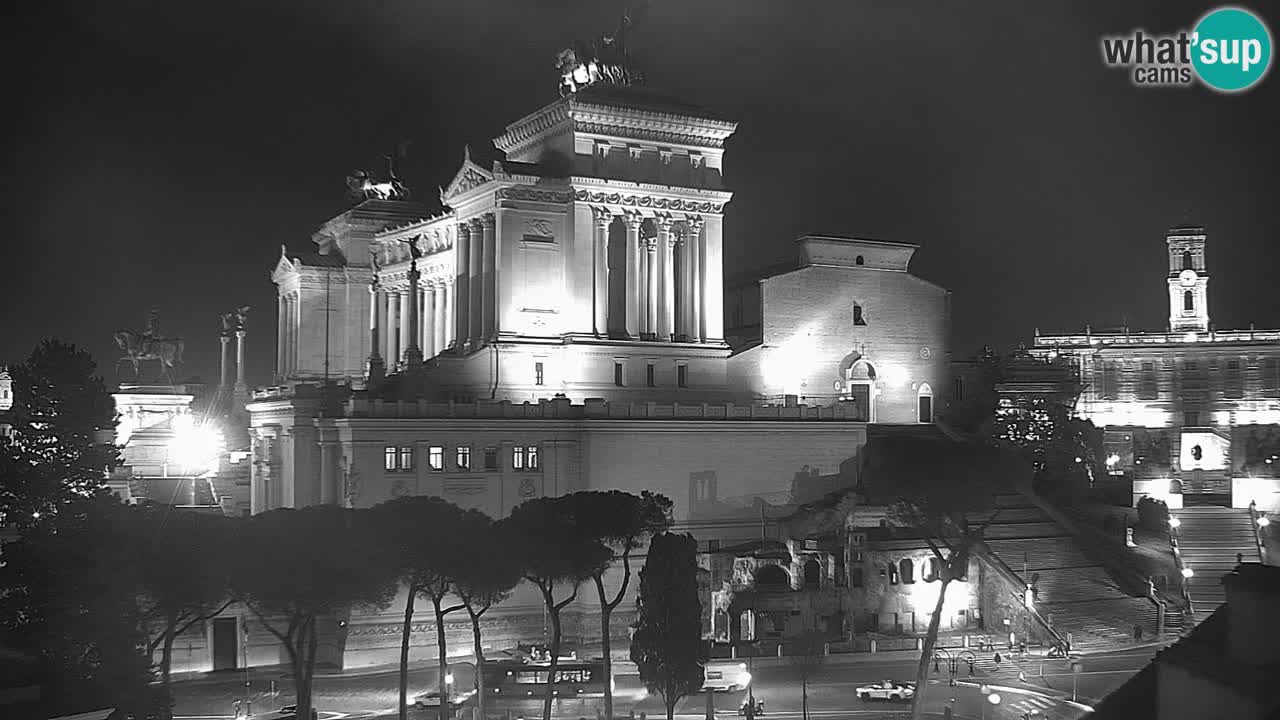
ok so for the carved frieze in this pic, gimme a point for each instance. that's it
(547, 196)
(650, 202)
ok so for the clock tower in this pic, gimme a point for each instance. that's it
(1188, 281)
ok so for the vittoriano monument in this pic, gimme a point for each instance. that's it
(150, 345)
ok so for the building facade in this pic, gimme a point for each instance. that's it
(560, 326)
(1190, 412)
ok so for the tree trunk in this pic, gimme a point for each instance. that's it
(166, 654)
(606, 648)
(475, 638)
(804, 697)
(297, 654)
(554, 613)
(443, 659)
(404, 653)
(926, 651)
(671, 706)
(309, 672)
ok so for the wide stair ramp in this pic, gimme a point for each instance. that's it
(1075, 594)
(1212, 541)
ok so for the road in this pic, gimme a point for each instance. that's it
(1019, 684)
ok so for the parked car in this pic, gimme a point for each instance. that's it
(887, 690)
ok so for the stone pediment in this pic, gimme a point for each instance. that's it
(284, 266)
(469, 177)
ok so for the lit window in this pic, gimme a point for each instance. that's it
(649, 375)
(464, 457)
(389, 458)
(537, 373)
(406, 458)
(617, 374)
(435, 457)
(491, 458)
(517, 457)
(682, 376)
(531, 457)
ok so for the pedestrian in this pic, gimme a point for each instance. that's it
(997, 659)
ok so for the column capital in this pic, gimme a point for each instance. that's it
(633, 220)
(693, 223)
(601, 216)
(488, 220)
(464, 228)
(650, 244)
(664, 222)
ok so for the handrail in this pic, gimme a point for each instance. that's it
(1012, 576)
(1257, 531)
(1177, 556)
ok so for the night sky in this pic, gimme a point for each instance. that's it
(163, 151)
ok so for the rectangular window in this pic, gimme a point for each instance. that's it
(958, 390)
(464, 457)
(1190, 365)
(406, 458)
(649, 375)
(1110, 381)
(517, 457)
(1233, 364)
(491, 458)
(389, 458)
(537, 373)
(617, 374)
(682, 376)
(435, 457)
(1191, 419)
(531, 457)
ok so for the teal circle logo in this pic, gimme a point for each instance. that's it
(1231, 49)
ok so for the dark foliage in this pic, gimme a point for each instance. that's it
(667, 647)
(1153, 514)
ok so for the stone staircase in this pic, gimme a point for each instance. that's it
(1209, 539)
(1074, 593)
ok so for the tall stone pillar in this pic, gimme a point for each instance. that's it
(450, 314)
(225, 377)
(241, 385)
(475, 277)
(489, 275)
(693, 251)
(651, 288)
(412, 350)
(667, 268)
(291, 340)
(462, 286)
(439, 316)
(393, 328)
(713, 279)
(635, 266)
(600, 253)
(281, 324)
(428, 325)
(376, 369)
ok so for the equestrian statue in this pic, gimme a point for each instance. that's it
(150, 344)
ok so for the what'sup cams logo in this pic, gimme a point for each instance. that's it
(1229, 51)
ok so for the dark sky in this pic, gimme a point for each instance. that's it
(164, 150)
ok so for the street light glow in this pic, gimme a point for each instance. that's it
(1174, 522)
(1187, 572)
(1263, 521)
(994, 698)
(195, 446)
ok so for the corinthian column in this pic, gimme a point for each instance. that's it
(393, 324)
(635, 266)
(489, 273)
(651, 288)
(462, 286)
(693, 252)
(601, 255)
(450, 325)
(280, 335)
(667, 268)
(241, 386)
(475, 271)
(376, 369)
(412, 351)
(438, 317)
(429, 346)
(225, 378)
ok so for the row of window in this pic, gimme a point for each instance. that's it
(619, 375)
(1110, 379)
(401, 458)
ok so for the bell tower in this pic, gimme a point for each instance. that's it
(1188, 280)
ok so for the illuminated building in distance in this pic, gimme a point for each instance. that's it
(1192, 412)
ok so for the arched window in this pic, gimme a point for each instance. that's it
(924, 403)
(934, 571)
(907, 571)
(1188, 301)
(1187, 262)
(773, 577)
(812, 574)
(858, 260)
(857, 316)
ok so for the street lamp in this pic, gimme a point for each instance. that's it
(1187, 572)
(195, 446)
(1175, 523)
(1263, 521)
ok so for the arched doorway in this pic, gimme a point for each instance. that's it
(812, 575)
(772, 577)
(924, 404)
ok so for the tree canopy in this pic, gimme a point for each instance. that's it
(667, 646)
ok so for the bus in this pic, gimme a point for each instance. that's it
(574, 678)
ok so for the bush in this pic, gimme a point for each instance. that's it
(1153, 514)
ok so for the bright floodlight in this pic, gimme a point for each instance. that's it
(448, 678)
(1187, 572)
(1263, 521)
(195, 446)
(1112, 459)
(1174, 522)
(994, 698)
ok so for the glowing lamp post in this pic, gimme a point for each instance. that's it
(1175, 523)
(1263, 521)
(194, 449)
(1188, 573)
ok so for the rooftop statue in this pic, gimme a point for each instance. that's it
(601, 61)
(363, 185)
(150, 344)
(235, 320)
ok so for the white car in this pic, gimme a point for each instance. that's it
(887, 690)
(431, 698)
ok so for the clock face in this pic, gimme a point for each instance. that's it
(1187, 277)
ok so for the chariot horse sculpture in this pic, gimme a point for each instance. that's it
(138, 347)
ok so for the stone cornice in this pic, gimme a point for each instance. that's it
(643, 202)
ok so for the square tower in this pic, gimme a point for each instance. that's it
(1188, 280)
